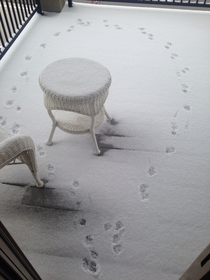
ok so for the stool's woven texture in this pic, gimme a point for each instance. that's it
(76, 123)
(19, 147)
(83, 105)
(75, 84)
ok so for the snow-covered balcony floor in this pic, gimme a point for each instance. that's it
(140, 211)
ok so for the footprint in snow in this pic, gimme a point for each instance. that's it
(185, 88)
(15, 128)
(9, 103)
(168, 45)
(14, 89)
(50, 167)
(24, 74)
(144, 192)
(187, 108)
(107, 226)
(43, 45)
(88, 242)
(151, 171)
(170, 150)
(18, 108)
(41, 151)
(82, 222)
(174, 55)
(28, 57)
(91, 266)
(75, 184)
(3, 122)
(117, 249)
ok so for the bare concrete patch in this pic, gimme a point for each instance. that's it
(49, 198)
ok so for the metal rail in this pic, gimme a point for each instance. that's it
(183, 3)
(14, 16)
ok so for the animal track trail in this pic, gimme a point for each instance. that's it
(94, 255)
(174, 128)
(151, 171)
(28, 57)
(184, 71)
(15, 128)
(119, 225)
(18, 108)
(144, 192)
(185, 88)
(50, 168)
(91, 264)
(3, 121)
(117, 249)
(150, 36)
(24, 74)
(168, 45)
(117, 231)
(9, 103)
(43, 45)
(169, 150)
(107, 226)
(187, 108)
(41, 151)
(174, 55)
(14, 89)
(176, 114)
(75, 184)
(82, 222)
(117, 237)
(88, 242)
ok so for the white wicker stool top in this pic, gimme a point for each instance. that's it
(75, 90)
(72, 83)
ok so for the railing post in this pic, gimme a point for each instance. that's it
(70, 3)
(39, 8)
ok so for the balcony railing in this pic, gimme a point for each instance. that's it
(188, 3)
(14, 16)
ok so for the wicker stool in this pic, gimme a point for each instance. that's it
(75, 90)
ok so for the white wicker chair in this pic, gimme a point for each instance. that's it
(18, 149)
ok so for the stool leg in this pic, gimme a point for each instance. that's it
(54, 124)
(107, 115)
(92, 132)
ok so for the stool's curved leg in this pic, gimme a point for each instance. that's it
(54, 124)
(92, 132)
(107, 115)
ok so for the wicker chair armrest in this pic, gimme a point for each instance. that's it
(13, 146)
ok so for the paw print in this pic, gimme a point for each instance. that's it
(144, 191)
